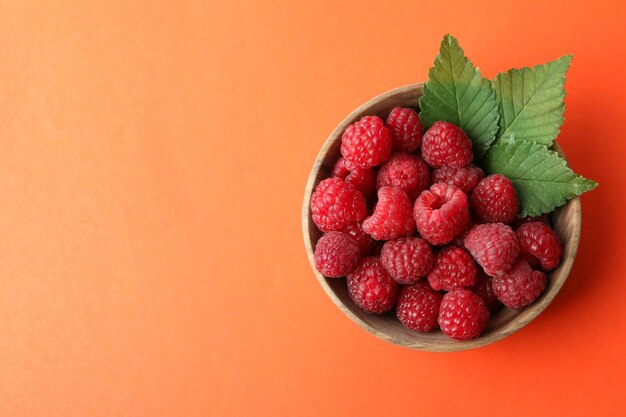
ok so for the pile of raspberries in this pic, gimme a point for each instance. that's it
(412, 223)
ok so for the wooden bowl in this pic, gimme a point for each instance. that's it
(566, 221)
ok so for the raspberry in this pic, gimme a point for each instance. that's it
(537, 240)
(445, 144)
(366, 143)
(418, 307)
(335, 204)
(465, 178)
(364, 179)
(520, 286)
(392, 215)
(371, 287)
(462, 314)
(483, 288)
(494, 200)
(362, 239)
(494, 246)
(441, 213)
(405, 171)
(407, 259)
(336, 254)
(405, 128)
(453, 268)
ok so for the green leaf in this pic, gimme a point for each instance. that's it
(457, 93)
(530, 101)
(541, 177)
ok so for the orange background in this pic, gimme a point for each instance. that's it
(152, 164)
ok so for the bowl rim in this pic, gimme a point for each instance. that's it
(519, 321)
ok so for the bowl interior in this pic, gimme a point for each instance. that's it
(565, 220)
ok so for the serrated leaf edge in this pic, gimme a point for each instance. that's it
(451, 41)
(568, 58)
(585, 184)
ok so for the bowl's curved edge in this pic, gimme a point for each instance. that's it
(521, 320)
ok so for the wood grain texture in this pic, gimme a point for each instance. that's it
(566, 221)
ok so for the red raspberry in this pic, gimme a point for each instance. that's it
(407, 259)
(404, 171)
(367, 142)
(392, 215)
(523, 254)
(418, 307)
(446, 145)
(336, 254)
(520, 286)
(362, 239)
(465, 178)
(537, 240)
(405, 128)
(483, 288)
(462, 314)
(364, 179)
(453, 268)
(335, 204)
(441, 213)
(371, 287)
(494, 246)
(494, 200)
